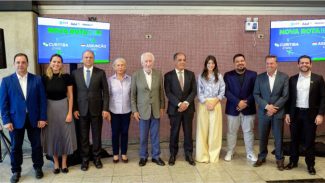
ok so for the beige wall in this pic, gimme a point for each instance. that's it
(20, 36)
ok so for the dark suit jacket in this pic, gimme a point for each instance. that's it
(13, 103)
(278, 96)
(235, 92)
(175, 94)
(95, 98)
(316, 95)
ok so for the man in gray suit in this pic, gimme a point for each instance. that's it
(90, 106)
(271, 91)
(148, 104)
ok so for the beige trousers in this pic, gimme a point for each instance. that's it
(208, 134)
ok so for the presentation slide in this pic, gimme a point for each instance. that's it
(291, 39)
(70, 38)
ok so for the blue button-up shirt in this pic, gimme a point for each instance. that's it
(210, 88)
(119, 94)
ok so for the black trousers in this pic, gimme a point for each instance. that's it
(120, 132)
(303, 129)
(176, 121)
(95, 124)
(17, 139)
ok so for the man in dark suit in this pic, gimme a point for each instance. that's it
(271, 91)
(305, 111)
(23, 107)
(180, 89)
(90, 106)
(240, 106)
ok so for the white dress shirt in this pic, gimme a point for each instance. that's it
(272, 79)
(148, 78)
(23, 83)
(85, 73)
(303, 86)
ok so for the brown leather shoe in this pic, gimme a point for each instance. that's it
(259, 162)
(280, 164)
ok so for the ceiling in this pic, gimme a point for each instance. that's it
(290, 3)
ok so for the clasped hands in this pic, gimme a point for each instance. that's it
(211, 103)
(241, 105)
(183, 106)
(271, 109)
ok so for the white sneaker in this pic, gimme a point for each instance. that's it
(228, 156)
(251, 157)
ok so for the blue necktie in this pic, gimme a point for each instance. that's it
(87, 77)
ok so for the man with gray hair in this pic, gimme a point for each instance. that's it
(148, 104)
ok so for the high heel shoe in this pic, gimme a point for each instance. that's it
(56, 171)
(116, 160)
(64, 170)
(125, 159)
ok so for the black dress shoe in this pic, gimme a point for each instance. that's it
(259, 162)
(311, 170)
(98, 163)
(84, 165)
(64, 170)
(39, 173)
(190, 160)
(290, 166)
(15, 177)
(56, 171)
(171, 160)
(142, 162)
(159, 162)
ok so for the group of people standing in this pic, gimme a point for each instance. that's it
(47, 106)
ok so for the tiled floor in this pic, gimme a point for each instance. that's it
(238, 170)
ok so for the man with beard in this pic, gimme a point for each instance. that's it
(305, 111)
(271, 92)
(240, 106)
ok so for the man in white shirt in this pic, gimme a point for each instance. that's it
(23, 107)
(271, 93)
(148, 105)
(90, 106)
(304, 112)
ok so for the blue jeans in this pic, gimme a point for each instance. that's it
(264, 126)
(151, 125)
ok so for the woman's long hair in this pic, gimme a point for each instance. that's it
(49, 71)
(205, 73)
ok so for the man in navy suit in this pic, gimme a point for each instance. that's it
(23, 107)
(180, 89)
(304, 112)
(240, 106)
(271, 91)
